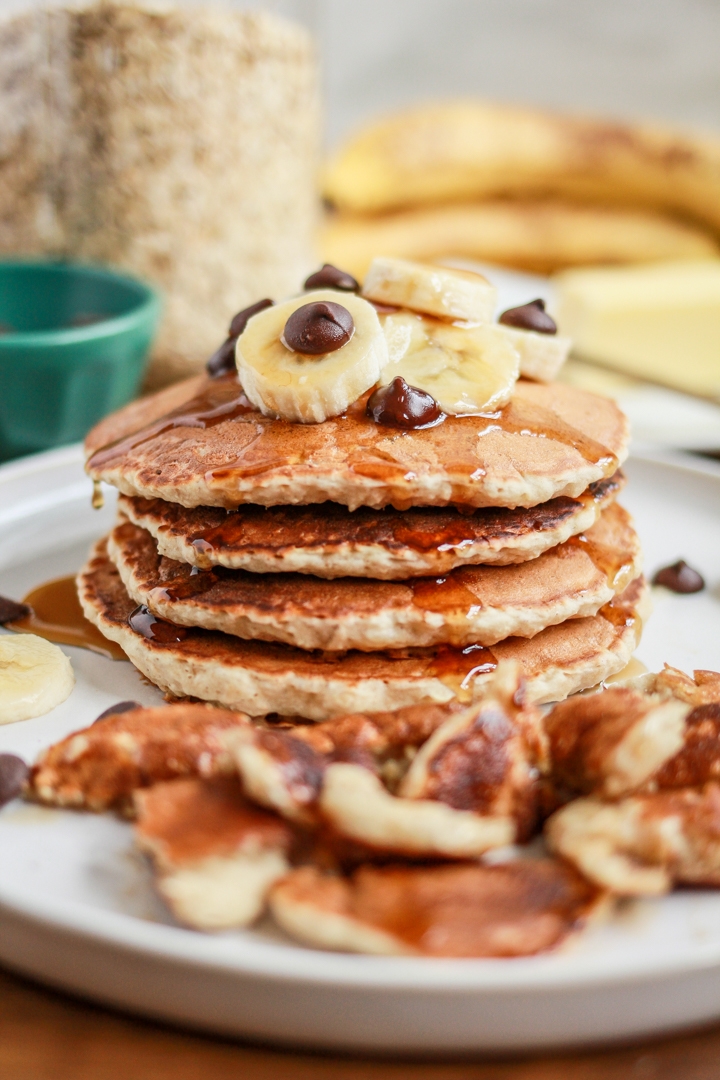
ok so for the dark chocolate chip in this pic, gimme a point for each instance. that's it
(13, 774)
(240, 320)
(114, 710)
(532, 316)
(332, 278)
(222, 361)
(318, 328)
(679, 578)
(10, 610)
(400, 405)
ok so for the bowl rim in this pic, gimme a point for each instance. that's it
(149, 304)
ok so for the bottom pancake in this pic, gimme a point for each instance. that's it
(261, 677)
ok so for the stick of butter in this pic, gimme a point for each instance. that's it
(659, 321)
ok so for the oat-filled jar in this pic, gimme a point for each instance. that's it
(177, 142)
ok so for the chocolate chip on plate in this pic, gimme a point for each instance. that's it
(318, 328)
(400, 405)
(332, 278)
(10, 610)
(532, 316)
(679, 578)
(13, 774)
(121, 707)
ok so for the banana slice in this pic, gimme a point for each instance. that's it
(541, 355)
(467, 369)
(309, 388)
(432, 290)
(35, 676)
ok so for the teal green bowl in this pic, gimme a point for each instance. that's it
(74, 341)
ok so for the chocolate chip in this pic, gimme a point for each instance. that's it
(530, 316)
(114, 710)
(240, 320)
(152, 627)
(10, 610)
(400, 405)
(222, 361)
(679, 578)
(13, 774)
(318, 328)
(332, 278)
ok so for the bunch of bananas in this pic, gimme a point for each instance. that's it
(520, 187)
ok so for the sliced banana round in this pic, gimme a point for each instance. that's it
(467, 369)
(541, 355)
(432, 290)
(35, 676)
(305, 387)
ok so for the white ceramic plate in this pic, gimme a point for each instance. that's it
(77, 907)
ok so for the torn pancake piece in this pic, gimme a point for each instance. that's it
(101, 766)
(645, 844)
(468, 910)
(487, 759)
(216, 855)
(357, 806)
(613, 742)
(330, 541)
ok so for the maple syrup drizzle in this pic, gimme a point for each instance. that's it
(152, 627)
(458, 668)
(193, 584)
(221, 400)
(445, 594)
(521, 418)
(614, 563)
(56, 615)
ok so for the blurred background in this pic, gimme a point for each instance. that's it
(194, 145)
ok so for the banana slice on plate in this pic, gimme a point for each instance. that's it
(467, 369)
(35, 676)
(283, 368)
(432, 290)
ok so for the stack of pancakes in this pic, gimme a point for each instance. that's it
(311, 570)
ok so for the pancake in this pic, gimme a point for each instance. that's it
(328, 541)
(213, 449)
(260, 677)
(470, 605)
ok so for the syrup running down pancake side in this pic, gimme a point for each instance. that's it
(212, 449)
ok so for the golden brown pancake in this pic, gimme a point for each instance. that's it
(472, 604)
(213, 449)
(262, 677)
(329, 541)
(102, 765)
(467, 909)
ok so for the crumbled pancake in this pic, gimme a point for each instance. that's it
(487, 759)
(329, 541)
(283, 769)
(702, 689)
(102, 765)
(470, 605)
(263, 677)
(645, 844)
(611, 743)
(216, 855)
(213, 449)
(357, 805)
(514, 909)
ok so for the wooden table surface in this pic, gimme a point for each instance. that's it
(47, 1036)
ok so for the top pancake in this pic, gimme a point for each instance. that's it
(201, 444)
